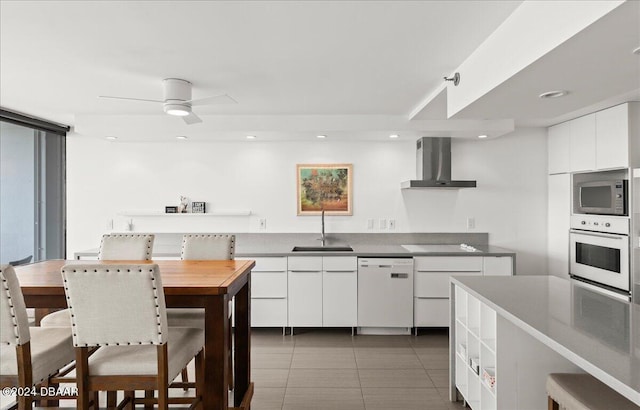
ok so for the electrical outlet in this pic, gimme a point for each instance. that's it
(263, 224)
(383, 223)
(471, 223)
(370, 223)
(392, 224)
(110, 224)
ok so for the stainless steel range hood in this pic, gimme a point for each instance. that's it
(433, 165)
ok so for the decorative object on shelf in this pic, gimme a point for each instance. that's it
(184, 203)
(198, 207)
(489, 376)
(474, 362)
(325, 187)
(170, 209)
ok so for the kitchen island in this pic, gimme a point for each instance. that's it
(509, 333)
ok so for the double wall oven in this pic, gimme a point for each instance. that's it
(599, 252)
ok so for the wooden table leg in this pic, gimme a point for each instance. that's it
(242, 352)
(216, 347)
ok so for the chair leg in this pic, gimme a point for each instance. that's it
(25, 402)
(185, 378)
(96, 400)
(131, 395)
(552, 404)
(230, 357)
(148, 394)
(200, 377)
(112, 401)
(82, 366)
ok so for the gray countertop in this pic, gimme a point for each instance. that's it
(605, 342)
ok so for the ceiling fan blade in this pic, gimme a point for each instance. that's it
(191, 119)
(127, 98)
(216, 99)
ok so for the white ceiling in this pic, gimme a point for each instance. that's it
(351, 67)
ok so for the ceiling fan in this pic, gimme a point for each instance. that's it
(177, 99)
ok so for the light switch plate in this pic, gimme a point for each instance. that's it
(370, 223)
(262, 224)
(383, 223)
(392, 224)
(471, 223)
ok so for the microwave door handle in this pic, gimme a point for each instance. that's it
(600, 235)
(580, 196)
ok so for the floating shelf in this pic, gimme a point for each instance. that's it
(160, 214)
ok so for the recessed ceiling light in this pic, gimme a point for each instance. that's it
(251, 137)
(482, 136)
(637, 51)
(182, 137)
(554, 94)
(394, 136)
(111, 138)
(321, 136)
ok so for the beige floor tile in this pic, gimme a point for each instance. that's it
(261, 337)
(440, 378)
(271, 360)
(323, 358)
(433, 357)
(387, 358)
(267, 398)
(431, 338)
(337, 378)
(381, 341)
(400, 378)
(270, 377)
(402, 399)
(322, 398)
(323, 338)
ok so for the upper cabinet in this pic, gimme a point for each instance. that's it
(603, 140)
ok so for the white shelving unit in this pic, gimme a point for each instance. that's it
(475, 351)
(162, 214)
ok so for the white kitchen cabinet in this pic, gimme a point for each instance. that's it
(612, 137)
(269, 292)
(583, 143)
(305, 291)
(558, 218)
(431, 286)
(559, 148)
(497, 266)
(339, 291)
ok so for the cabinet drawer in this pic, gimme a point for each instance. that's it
(448, 263)
(309, 263)
(268, 284)
(431, 312)
(268, 312)
(339, 263)
(270, 264)
(498, 266)
(436, 284)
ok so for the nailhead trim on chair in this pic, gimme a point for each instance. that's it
(155, 293)
(147, 236)
(231, 247)
(5, 288)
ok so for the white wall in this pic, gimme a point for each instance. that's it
(105, 177)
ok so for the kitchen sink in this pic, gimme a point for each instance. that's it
(322, 249)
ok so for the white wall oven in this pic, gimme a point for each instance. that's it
(599, 251)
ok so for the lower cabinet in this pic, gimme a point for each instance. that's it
(305, 291)
(269, 292)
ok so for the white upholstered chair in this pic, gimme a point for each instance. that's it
(201, 247)
(121, 309)
(122, 247)
(28, 356)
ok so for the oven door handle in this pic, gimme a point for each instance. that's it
(598, 234)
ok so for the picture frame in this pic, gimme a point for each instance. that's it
(327, 187)
(198, 207)
(170, 209)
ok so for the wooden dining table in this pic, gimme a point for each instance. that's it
(187, 284)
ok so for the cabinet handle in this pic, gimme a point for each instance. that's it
(302, 271)
(448, 271)
(399, 276)
(340, 271)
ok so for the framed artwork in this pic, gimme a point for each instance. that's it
(198, 207)
(325, 187)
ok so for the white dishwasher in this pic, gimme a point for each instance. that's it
(385, 295)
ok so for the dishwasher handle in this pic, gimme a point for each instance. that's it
(399, 275)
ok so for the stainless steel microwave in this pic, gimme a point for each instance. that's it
(602, 197)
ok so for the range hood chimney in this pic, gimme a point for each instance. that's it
(433, 165)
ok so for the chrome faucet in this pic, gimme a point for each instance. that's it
(322, 237)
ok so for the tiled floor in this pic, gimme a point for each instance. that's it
(330, 369)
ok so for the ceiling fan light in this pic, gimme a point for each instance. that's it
(179, 110)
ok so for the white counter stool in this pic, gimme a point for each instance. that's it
(202, 247)
(121, 309)
(581, 391)
(122, 247)
(28, 356)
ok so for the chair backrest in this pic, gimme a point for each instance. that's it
(126, 247)
(115, 304)
(208, 247)
(14, 324)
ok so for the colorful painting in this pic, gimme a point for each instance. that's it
(324, 187)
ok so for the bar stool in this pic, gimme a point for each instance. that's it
(581, 391)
